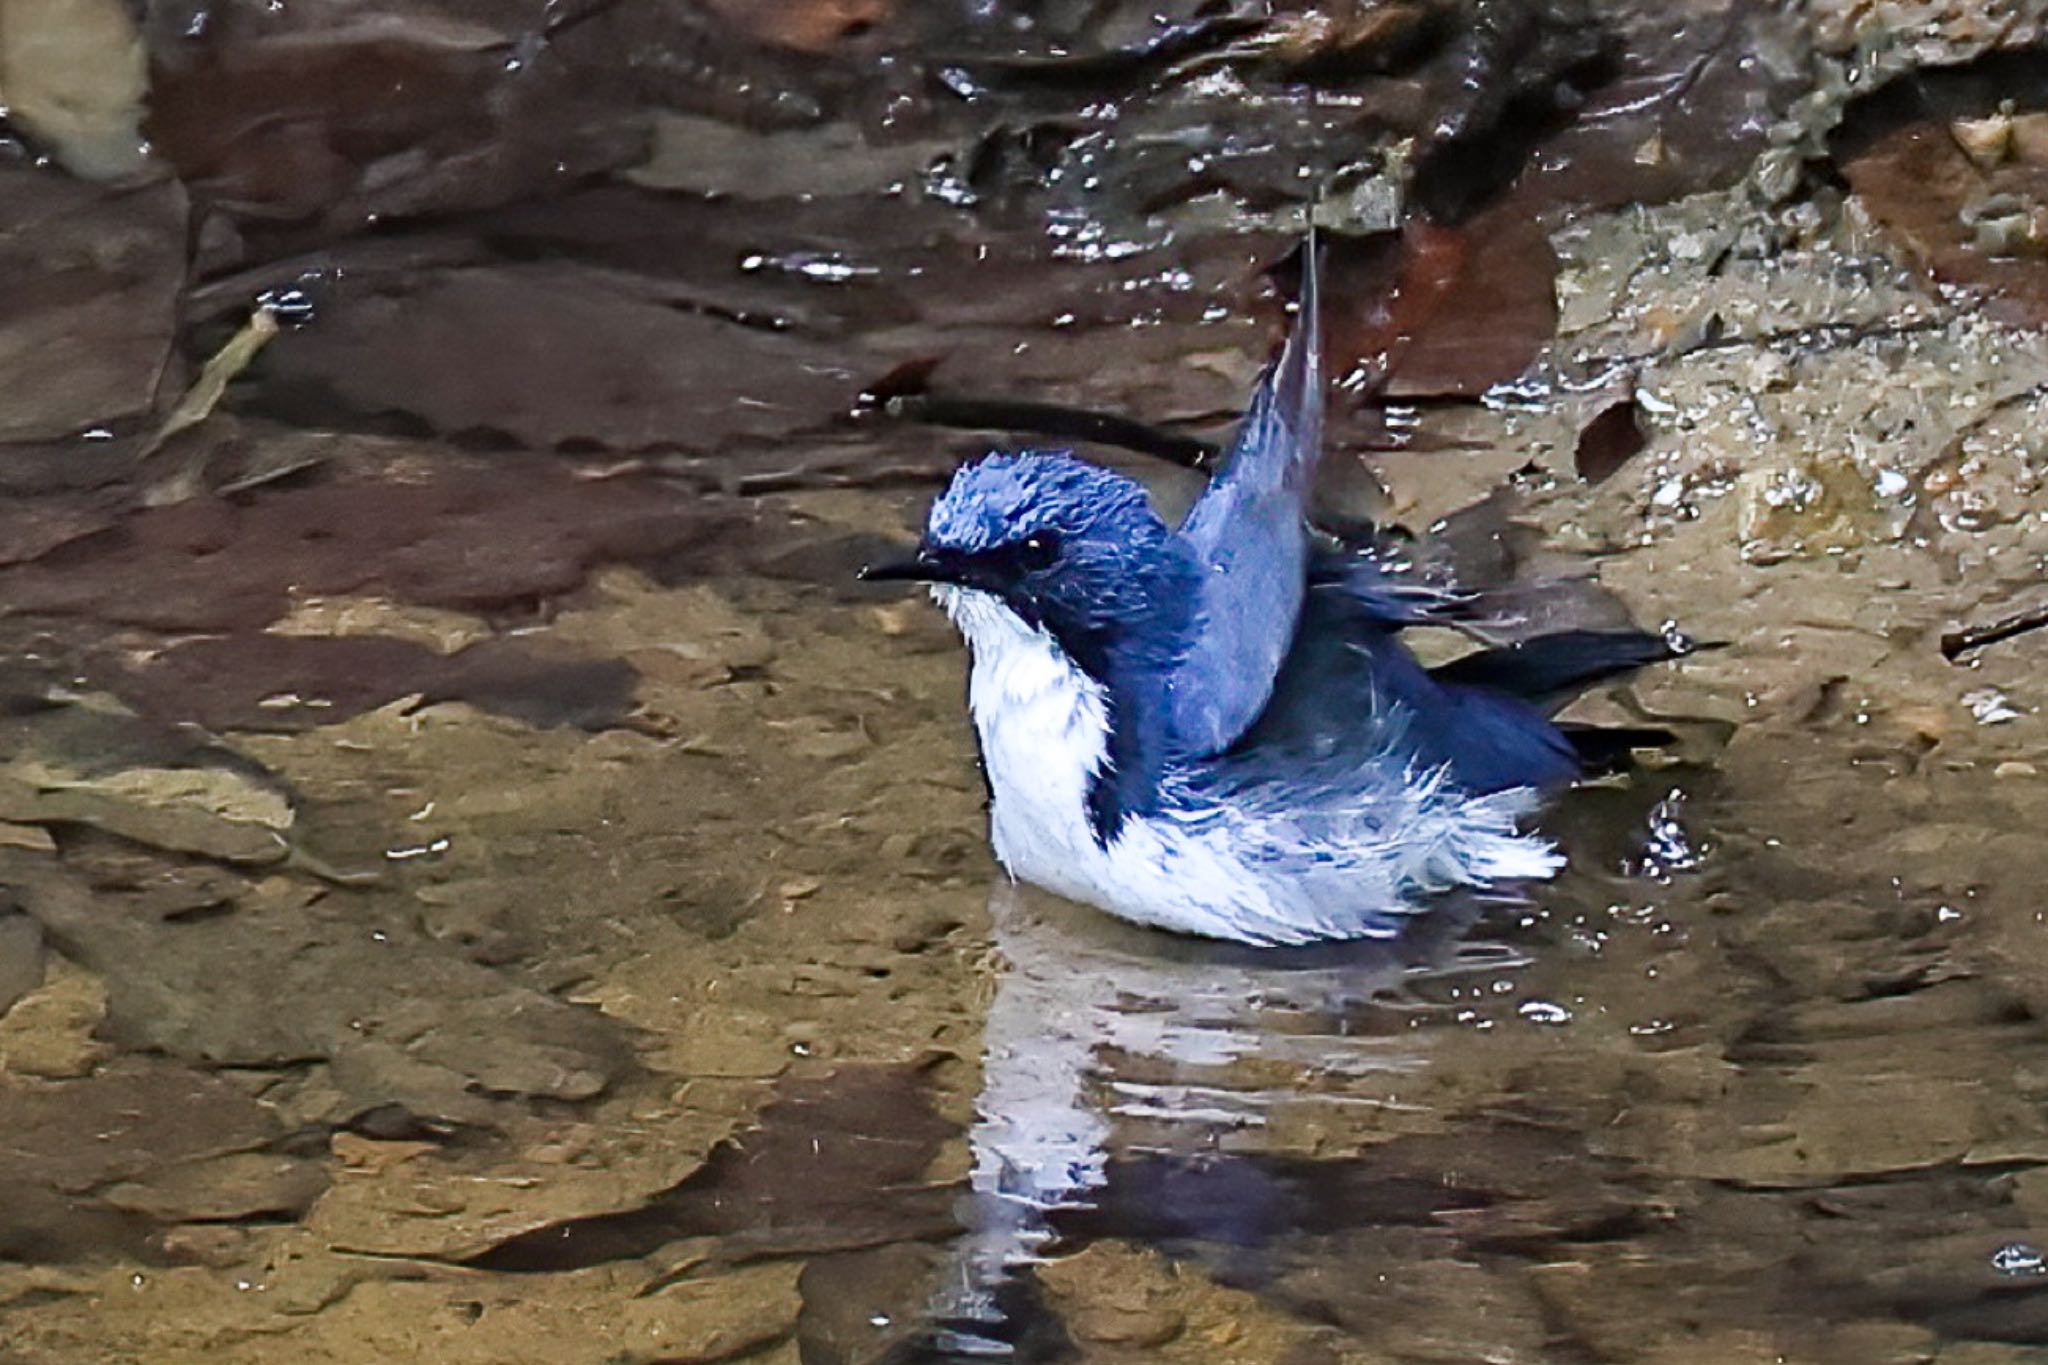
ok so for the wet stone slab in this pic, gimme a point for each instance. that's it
(93, 281)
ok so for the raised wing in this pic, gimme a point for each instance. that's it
(1249, 534)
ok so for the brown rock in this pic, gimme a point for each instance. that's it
(239, 1185)
(91, 276)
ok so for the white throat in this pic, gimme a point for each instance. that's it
(1044, 728)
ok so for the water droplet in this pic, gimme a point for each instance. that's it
(293, 305)
(821, 267)
(1544, 1012)
(1990, 706)
(1667, 848)
(2019, 1258)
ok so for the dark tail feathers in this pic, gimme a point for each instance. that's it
(1550, 670)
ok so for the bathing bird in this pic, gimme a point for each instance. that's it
(1216, 729)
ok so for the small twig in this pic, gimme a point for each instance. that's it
(214, 378)
(1051, 419)
(1964, 639)
(318, 867)
(1169, 48)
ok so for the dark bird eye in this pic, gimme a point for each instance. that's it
(1038, 551)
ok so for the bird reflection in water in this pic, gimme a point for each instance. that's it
(1138, 1084)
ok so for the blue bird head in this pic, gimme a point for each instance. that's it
(1070, 547)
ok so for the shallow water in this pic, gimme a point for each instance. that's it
(483, 882)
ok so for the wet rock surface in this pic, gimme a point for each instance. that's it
(483, 882)
(92, 280)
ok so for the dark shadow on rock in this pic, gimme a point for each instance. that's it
(22, 956)
(234, 682)
(68, 1143)
(1610, 440)
(836, 1162)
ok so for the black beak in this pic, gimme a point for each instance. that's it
(919, 568)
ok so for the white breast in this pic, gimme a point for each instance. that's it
(1044, 727)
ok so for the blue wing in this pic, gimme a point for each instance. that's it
(1483, 717)
(1249, 535)
(1349, 675)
